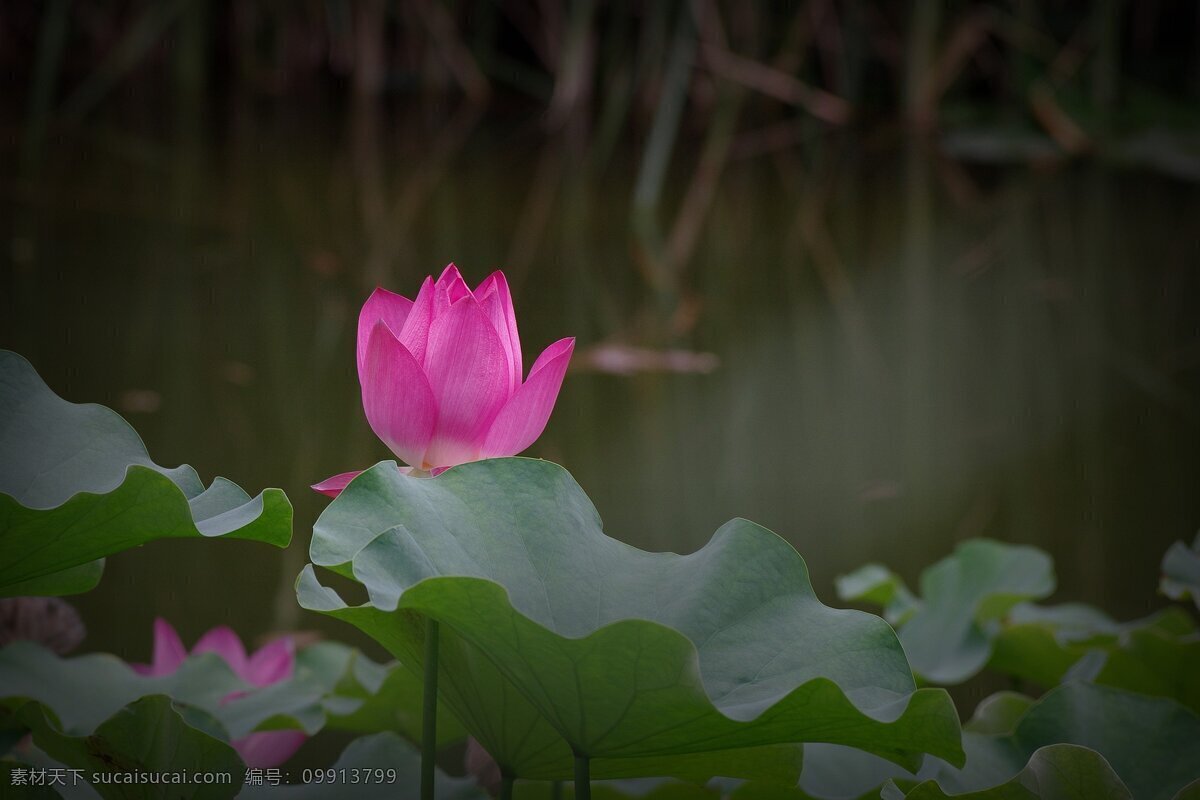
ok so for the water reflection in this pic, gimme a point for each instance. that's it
(907, 353)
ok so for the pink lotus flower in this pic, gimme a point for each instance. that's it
(272, 663)
(441, 375)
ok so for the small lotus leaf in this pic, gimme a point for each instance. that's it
(1181, 572)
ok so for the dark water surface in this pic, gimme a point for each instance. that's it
(908, 351)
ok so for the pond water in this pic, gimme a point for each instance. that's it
(887, 351)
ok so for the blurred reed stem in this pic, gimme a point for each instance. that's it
(52, 37)
(919, 59)
(661, 142)
(145, 32)
(191, 55)
(1107, 62)
(573, 80)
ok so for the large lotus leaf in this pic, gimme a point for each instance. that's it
(1181, 571)
(150, 737)
(85, 690)
(381, 765)
(947, 633)
(1054, 772)
(76, 484)
(1152, 743)
(558, 638)
(509, 726)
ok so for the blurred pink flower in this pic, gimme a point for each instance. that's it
(271, 663)
(441, 375)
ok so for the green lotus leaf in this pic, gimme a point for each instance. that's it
(85, 690)
(372, 698)
(14, 782)
(72, 580)
(557, 638)
(381, 765)
(999, 713)
(947, 633)
(1189, 792)
(877, 585)
(1042, 643)
(1181, 572)
(1157, 655)
(1154, 663)
(834, 772)
(635, 789)
(1151, 743)
(506, 722)
(151, 736)
(1054, 772)
(76, 484)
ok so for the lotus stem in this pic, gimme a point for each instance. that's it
(556, 790)
(429, 711)
(583, 778)
(506, 787)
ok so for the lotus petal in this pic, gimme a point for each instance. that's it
(225, 643)
(496, 301)
(524, 416)
(382, 306)
(397, 398)
(333, 485)
(415, 333)
(268, 748)
(272, 662)
(468, 373)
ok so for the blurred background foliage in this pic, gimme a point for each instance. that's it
(880, 275)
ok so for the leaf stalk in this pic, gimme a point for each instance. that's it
(429, 711)
(583, 777)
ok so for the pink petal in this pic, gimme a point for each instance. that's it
(449, 289)
(397, 399)
(333, 486)
(272, 663)
(415, 333)
(552, 352)
(268, 748)
(524, 416)
(226, 644)
(481, 766)
(389, 307)
(468, 373)
(496, 301)
(169, 651)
